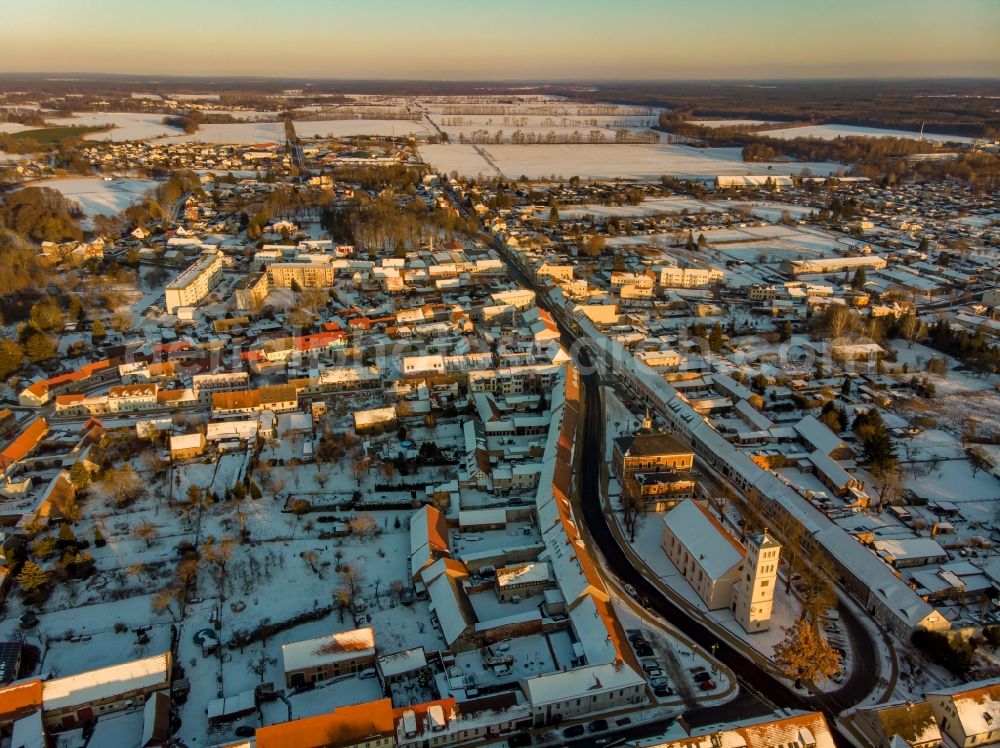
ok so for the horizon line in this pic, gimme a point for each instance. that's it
(506, 81)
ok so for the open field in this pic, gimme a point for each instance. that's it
(97, 197)
(728, 122)
(247, 133)
(606, 161)
(124, 125)
(51, 135)
(829, 132)
(341, 128)
(12, 127)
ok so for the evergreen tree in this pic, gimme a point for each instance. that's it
(715, 337)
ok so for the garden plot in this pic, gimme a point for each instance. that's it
(125, 125)
(97, 196)
(608, 161)
(830, 132)
(961, 397)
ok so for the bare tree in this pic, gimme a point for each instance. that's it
(145, 531)
(259, 662)
(363, 525)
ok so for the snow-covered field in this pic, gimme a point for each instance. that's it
(243, 133)
(646, 208)
(12, 127)
(338, 128)
(829, 132)
(728, 122)
(243, 114)
(96, 196)
(606, 161)
(127, 125)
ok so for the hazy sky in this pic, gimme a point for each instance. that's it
(505, 39)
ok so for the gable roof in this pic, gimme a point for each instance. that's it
(704, 537)
(345, 725)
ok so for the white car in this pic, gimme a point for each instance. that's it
(631, 590)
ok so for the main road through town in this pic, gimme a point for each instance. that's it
(760, 692)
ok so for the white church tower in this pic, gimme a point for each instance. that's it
(754, 595)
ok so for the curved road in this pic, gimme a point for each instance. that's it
(760, 692)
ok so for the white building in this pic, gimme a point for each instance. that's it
(753, 595)
(719, 568)
(583, 692)
(195, 283)
(672, 276)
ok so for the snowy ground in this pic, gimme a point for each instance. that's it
(645, 208)
(12, 127)
(606, 161)
(340, 128)
(97, 196)
(127, 125)
(829, 132)
(245, 133)
(728, 122)
(961, 397)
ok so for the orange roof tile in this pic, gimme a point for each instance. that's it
(345, 725)
(26, 441)
(19, 698)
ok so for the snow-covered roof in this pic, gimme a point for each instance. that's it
(398, 663)
(29, 732)
(580, 682)
(186, 441)
(453, 613)
(817, 435)
(977, 705)
(704, 538)
(107, 682)
(326, 650)
(904, 549)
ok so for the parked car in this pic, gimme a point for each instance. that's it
(662, 691)
(706, 685)
(701, 677)
(696, 669)
(246, 731)
(622, 721)
(643, 650)
(631, 590)
(573, 731)
(654, 673)
(598, 725)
